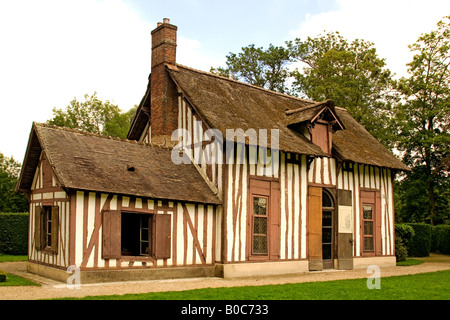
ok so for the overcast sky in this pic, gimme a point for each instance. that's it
(54, 50)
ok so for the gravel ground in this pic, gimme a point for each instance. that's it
(52, 289)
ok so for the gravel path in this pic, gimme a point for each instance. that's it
(52, 289)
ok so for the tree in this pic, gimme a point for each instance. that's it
(259, 67)
(424, 116)
(10, 200)
(95, 116)
(349, 73)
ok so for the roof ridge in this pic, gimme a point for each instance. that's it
(242, 83)
(92, 134)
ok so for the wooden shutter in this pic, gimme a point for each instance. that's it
(315, 228)
(344, 239)
(55, 228)
(38, 228)
(378, 240)
(162, 235)
(47, 173)
(111, 248)
(275, 217)
(320, 136)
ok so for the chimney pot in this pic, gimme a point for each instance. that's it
(166, 20)
(159, 23)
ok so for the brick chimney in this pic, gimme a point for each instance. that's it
(164, 98)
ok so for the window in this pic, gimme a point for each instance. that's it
(46, 227)
(263, 228)
(136, 234)
(327, 229)
(259, 245)
(368, 224)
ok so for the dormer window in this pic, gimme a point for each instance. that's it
(317, 123)
(322, 136)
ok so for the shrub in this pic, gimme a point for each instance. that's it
(403, 235)
(420, 244)
(14, 233)
(440, 239)
(2, 276)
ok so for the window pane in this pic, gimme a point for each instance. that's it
(144, 247)
(326, 218)
(368, 228)
(326, 200)
(326, 251)
(368, 244)
(260, 244)
(260, 225)
(367, 212)
(326, 235)
(259, 206)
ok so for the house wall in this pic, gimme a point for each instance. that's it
(193, 231)
(295, 177)
(46, 192)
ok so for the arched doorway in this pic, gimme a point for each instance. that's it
(328, 239)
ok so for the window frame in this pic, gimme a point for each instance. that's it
(363, 233)
(267, 188)
(150, 236)
(252, 228)
(370, 197)
(46, 227)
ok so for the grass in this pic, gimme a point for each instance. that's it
(13, 280)
(410, 262)
(12, 258)
(425, 286)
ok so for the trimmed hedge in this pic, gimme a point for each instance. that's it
(420, 244)
(440, 239)
(2, 276)
(14, 233)
(403, 234)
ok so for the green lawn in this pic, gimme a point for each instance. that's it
(12, 258)
(425, 286)
(12, 280)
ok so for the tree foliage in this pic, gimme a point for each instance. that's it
(94, 115)
(10, 200)
(266, 68)
(424, 119)
(349, 73)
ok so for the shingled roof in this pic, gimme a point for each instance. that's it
(229, 104)
(85, 161)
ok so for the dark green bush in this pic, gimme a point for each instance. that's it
(2, 276)
(403, 235)
(420, 244)
(14, 233)
(440, 239)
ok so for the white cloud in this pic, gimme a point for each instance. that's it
(390, 25)
(190, 53)
(55, 50)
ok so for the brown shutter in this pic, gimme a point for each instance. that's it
(315, 228)
(275, 217)
(55, 228)
(377, 240)
(162, 235)
(111, 248)
(47, 174)
(344, 240)
(38, 228)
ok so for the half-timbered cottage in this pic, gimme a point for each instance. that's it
(311, 190)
